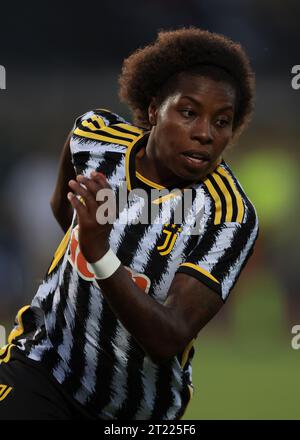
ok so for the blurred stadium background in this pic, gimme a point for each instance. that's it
(63, 60)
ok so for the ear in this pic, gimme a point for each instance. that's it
(152, 112)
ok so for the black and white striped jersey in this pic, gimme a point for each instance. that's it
(69, 328)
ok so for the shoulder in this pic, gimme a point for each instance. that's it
(104, 126)
(100, 140)
(103, 116)
(228, 201)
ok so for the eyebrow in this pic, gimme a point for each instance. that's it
(195, 101)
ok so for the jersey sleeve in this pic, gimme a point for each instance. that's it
(221, 253)
(100, 136)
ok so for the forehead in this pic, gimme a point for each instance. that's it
(200, 86)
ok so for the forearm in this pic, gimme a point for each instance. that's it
(155, 326)
(63, 214)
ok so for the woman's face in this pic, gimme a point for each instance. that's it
(192, 127)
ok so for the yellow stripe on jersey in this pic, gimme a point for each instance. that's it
(3, 349)
(92, 126)
(4, 391)
(101, 137)
(218, 203)
(109, 130)
(191, 393)
(19, 330)
(191, 390)
(228, 216)
(127, 160)
(130, 128)
(60, 251)
(165, 198)
(148, 182)
(239, 200)
(186, 352)
(123, 125)
(103, 110)
(183, 362)
(217, 186)
(103, 132)
(201, 270)
(115, 132)
(99, 120)
(7, 348)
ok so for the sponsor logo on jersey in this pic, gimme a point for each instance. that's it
(78, 261)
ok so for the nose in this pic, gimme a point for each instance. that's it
(202, 132)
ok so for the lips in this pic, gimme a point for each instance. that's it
(202, 155)
(196, 158)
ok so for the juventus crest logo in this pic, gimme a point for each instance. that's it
(170, 234)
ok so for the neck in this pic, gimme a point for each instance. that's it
(148, 164)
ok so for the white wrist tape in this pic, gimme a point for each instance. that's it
(106, 266)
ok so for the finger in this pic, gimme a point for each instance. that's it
(87, 196)
(91, 185)
(77, 205)
(100, 178)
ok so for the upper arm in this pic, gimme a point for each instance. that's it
(193, 303)
(98, 137)
(206, 276)
(65, 169)
(61, 207)
(221, 254)
(73, 158)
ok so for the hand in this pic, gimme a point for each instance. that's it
(93, 236)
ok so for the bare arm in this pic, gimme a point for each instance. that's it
(61, 208)
(162, 330)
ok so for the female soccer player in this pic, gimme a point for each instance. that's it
(110, 332)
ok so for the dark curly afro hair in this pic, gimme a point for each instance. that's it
(149, 72)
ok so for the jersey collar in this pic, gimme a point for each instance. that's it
(131, 178)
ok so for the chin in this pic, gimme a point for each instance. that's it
(192, 175)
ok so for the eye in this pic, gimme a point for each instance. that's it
(223, 122)
(188, 113)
